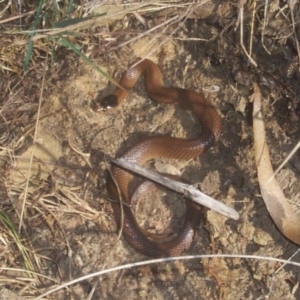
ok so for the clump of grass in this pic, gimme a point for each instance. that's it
(10, 229)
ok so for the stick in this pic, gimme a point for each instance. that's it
(185, 189)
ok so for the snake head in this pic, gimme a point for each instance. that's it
(108, 102)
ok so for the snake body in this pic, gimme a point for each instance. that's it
(160, 146)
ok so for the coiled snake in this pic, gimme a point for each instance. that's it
(160, 146)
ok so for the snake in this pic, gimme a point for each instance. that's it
(158, 146)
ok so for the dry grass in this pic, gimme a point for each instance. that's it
(32, 39)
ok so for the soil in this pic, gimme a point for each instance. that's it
(77, 229)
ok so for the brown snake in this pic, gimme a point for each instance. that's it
(160, 146)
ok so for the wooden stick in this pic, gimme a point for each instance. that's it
(182, 188)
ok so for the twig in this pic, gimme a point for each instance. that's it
(184, 16)
(164, 260)
(272, 286)
(5, 8)
(264, 26)
(285, 161)
(240, 21)
(34, 142)
(85, 23)
(120, 230)
(86, 156)
(252, 28)
(17, 17)
(188, 190)
(291, 4)
(171, 20)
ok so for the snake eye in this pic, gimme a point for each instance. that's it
(109, 101)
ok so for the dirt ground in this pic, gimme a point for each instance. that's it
(68, 213)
